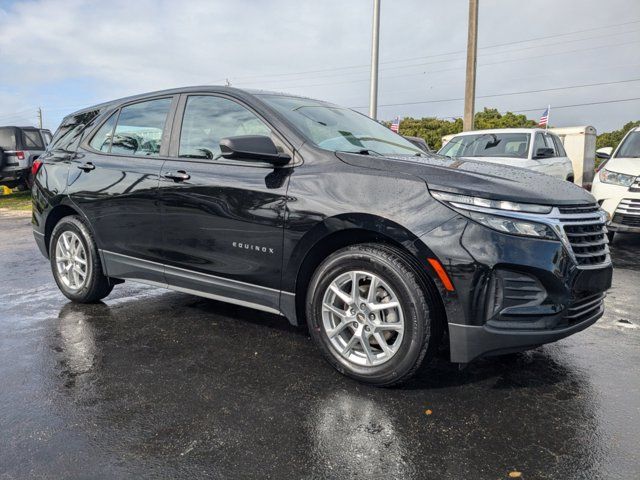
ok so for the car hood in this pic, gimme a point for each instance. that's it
(482, 179)
(515, 162)
(628, 166)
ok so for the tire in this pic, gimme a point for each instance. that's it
(91, 287)
(408, 329)
(611, 235)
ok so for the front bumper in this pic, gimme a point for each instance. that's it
(622, 204)
(542, 295)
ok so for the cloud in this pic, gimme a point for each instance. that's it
(67, 54)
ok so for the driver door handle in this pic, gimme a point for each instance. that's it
(179, 176)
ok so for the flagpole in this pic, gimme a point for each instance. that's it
(546, 127)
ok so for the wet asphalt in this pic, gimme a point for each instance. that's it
(157, 384)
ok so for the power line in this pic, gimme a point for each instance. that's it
(461, 67)
(435, 62)
(347, 67)
(580, 104)
(444, 100)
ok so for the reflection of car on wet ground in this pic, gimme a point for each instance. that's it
(331, 219)
(617, 185)
(534, 149)
(19, 147)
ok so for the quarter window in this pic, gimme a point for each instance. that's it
(208, 119)
(139, 128)
(102, 139)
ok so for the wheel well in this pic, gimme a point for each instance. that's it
(57, 214)
(345, 238)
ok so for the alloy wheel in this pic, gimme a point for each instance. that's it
(71, 260)
(362, 318)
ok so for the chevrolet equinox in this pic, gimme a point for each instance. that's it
(315, 212)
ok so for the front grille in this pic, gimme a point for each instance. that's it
(573, 209)
(628, 212)
(627, 220)
(584, 309)
(586, 232)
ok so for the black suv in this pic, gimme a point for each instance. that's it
(305, 209)
(19, 147)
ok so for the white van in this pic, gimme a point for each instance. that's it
(617, 185)
(531, 148)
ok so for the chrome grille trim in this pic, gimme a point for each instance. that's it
(629, 206)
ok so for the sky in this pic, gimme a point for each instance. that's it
(63, 55)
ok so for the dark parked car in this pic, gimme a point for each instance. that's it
(19, 147)
(305, 209)
(419, 142)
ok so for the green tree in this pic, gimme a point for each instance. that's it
(612, 139)
(433, 129)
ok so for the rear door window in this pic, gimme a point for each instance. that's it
(8, 138)
(139, 128)
(32, 140)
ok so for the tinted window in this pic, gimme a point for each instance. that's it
(630, 147)
(68, 135)
(515, 145)
(32, 140)
(208, 119)
(102, 139)
(8, 138)
(139, 128)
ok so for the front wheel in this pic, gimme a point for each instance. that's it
(368, 311)
(75, 264)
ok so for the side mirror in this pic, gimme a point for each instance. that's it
(252, 147)
(604, 153)
(545, 152)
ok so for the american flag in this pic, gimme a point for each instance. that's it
(544, 119)
(395, 125)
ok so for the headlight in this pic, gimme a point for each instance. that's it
(607, 176)
(513, 226)
(505, 219)
(461, 201)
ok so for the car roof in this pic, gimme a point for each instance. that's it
(192, 89)
(502, 130)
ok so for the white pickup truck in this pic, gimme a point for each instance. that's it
(531, 148)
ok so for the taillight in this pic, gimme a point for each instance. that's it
(20, 155)
(35, 167)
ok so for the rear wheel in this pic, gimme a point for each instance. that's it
(367, 311)
(75, 263)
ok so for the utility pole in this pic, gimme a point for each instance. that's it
(375, 42)
(40, 117)
(470, 84)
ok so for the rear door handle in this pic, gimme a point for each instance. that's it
(179, 176)
(87, 166)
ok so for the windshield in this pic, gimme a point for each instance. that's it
(8, 138)
(630, 147)
(340, 129)
(514, 145)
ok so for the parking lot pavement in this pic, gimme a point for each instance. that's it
(158, 384)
